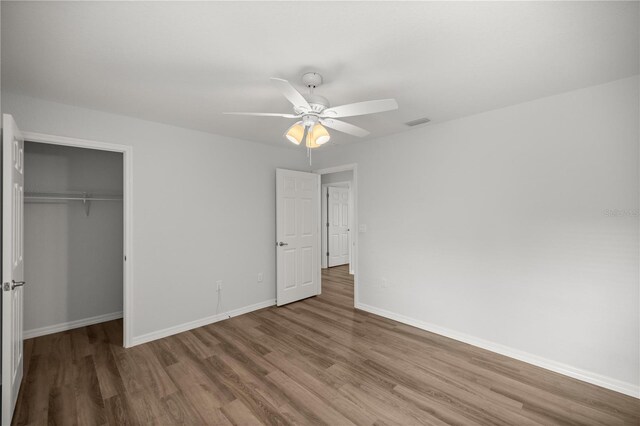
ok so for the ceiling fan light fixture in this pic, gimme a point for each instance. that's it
(320, 134)
(311, 143)
(295, 133)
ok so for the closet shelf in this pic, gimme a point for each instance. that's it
(85, 197)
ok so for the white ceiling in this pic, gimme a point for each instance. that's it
(184, 63)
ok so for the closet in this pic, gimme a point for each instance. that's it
(73, 237)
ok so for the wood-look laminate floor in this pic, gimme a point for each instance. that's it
(317, 361)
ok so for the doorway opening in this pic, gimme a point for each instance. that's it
(53, 180)
(338, 225)
(77, 209)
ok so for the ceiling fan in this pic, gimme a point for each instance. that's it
(314, 114)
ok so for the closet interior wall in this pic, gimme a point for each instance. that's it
(73, 256)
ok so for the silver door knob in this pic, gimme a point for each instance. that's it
(17, 284)
(282, 244)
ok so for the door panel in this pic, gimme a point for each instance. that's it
(12, 264)
(298, 235)
(307, 266)
(338, 226)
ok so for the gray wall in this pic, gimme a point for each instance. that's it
(73, 261)
(517, 227)
(346, 176)
(203, 210)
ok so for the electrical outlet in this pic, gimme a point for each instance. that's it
(218, 285)
(260, 277)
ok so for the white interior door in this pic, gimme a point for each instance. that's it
(338, 226)
(12, 264)
(298, 235)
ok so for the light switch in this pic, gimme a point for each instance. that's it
(363, 228)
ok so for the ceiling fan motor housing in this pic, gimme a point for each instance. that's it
(318, 103)
(309, 120)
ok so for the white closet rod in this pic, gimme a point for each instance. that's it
(85, 196)
(29, 197)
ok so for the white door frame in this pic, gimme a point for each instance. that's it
(323, 206)
(354, 234)
(127, 199)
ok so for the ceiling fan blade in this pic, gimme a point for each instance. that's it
(361, 108)
(291, 93)
(344, 127)
(262, 114)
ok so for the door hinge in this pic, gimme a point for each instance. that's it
(327, 224)
(327, 253)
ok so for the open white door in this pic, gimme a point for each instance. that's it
(338, 211)
(12, 264)
(298, 235)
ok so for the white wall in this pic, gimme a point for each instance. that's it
(74, 266)
(345, 176)
(204, 210)
(497, 228)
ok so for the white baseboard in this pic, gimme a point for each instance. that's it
(155, 335)
(567, 370)
(70, 325)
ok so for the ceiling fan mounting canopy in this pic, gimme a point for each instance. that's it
(312, 79)
(313, 111)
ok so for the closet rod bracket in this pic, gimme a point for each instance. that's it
(86, 203)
